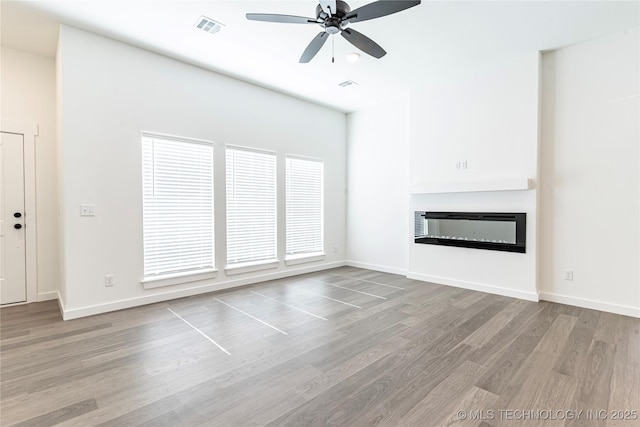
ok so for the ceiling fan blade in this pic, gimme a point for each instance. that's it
(313, 48)
(378, 9)
(283, 19)
(329, 6)
(363, 43)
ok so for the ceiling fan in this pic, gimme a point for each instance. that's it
(334, 16)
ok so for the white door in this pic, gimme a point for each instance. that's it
(13, 283)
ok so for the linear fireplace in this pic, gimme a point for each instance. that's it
(480, 230)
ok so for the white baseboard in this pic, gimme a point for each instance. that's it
(491, 289)
(376, 267)
(74, 313)
(61, 304)
(46, 296)
(592, 304)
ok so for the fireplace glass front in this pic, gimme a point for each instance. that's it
(480, 230)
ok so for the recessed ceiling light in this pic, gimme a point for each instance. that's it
(208, 25)
(353, 57)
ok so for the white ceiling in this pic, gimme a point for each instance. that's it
(424, 43)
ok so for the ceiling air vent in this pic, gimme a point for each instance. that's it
(347, 83)
(208, 25)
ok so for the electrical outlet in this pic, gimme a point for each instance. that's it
(568, 274)
(335, 249)
(108, 280)
(458, 165)
(463, 165)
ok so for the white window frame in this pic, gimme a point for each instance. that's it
(177, 277)
(245, 266)
(318, 254)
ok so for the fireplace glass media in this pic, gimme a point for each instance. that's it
(480, 230)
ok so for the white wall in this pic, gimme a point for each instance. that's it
(488, 118)
(110, 93)
(377, 198)
(62, 290)
(28, 95)
(590, 174)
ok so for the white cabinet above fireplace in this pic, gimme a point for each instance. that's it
(471, 185)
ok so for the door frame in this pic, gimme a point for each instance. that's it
(29, 131)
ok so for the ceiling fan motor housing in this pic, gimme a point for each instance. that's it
(332, 23)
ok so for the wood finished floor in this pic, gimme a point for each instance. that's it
(343, 347)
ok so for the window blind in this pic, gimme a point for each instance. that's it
(304, 206)
(251, 205)
(177, 205)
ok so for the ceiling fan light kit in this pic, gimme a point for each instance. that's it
(335, 17)
(353, 57)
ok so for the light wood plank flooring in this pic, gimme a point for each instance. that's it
(343, 347)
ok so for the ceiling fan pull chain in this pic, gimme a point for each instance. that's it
(333, 49)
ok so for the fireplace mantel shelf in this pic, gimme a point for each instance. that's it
(469, 186)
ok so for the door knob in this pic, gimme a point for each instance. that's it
(17, 226)
(17, 215)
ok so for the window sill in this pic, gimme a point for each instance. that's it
(178, 278)
(304, 258)
(248, 267)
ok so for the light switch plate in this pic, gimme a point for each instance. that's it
(87, 210)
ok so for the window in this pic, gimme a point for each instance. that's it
(304, 206)
(177, 175)
(251, 206)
